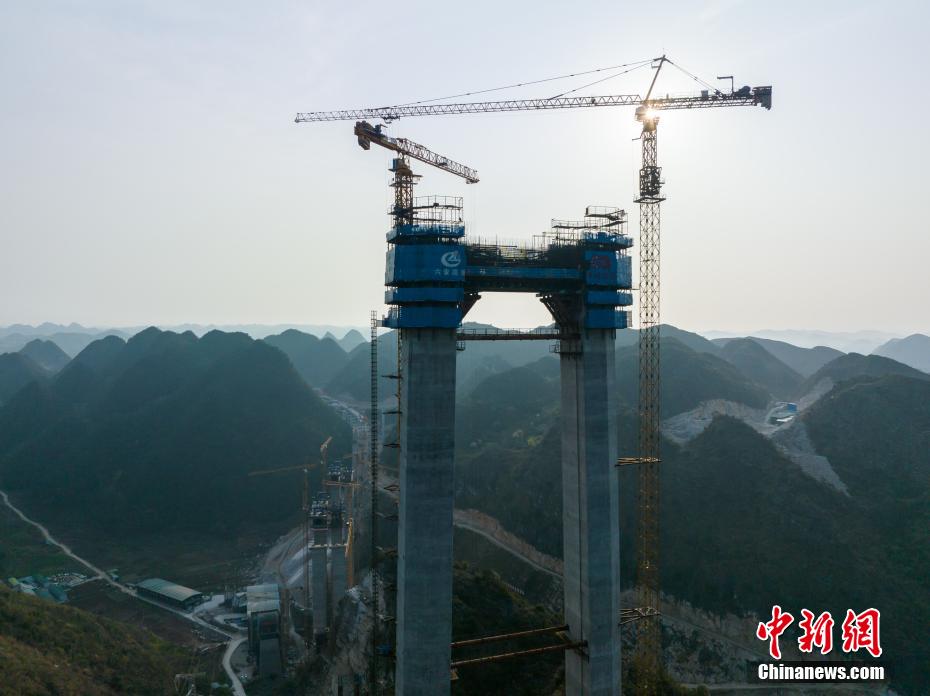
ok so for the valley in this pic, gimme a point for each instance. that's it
(729, 437)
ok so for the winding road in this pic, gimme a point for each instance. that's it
(233, 640)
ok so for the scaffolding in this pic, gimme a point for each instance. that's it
(428, 216)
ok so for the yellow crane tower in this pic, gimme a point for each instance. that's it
(305, 521)
(347, 486)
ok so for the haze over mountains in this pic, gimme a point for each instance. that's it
(913, 350)
(73, 338)
(159, 432)
(863, 341)
(155, 435)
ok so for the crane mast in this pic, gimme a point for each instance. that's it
(648, 644)
(649, 631)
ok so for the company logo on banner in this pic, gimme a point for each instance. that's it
(451, 259)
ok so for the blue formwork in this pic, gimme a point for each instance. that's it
(614, 298)
(432, 275)
(607, 269)
(423, 317)
(423, 263)
(606, 318)
(425, 282)
(522, 273)
(424, 294)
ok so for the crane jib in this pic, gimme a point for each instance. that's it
(755, 96)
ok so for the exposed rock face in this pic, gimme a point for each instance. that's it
(795, 444)
(791, 438)
(686, 426)
(351, 637)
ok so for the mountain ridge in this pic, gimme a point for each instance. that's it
(913, 350)
(132, 432)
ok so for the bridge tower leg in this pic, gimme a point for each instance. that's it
(424, 561)
(590, 521)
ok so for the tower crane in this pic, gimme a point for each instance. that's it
(404, 211)
(344, 481)
(650, 197)
(368, 134)
(305, 508)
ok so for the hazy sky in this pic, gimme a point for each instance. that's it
(152, 172)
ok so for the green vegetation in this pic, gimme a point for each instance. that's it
(804, 361)
(484, 606)
(138, 451)
(23, 550)
(876, 434)
(694, 341)
(743, 527)
(688, 378)
(316, 360)
(761, 367)
(353, 381)
(479, 553)
(155, 437)
(508, 459)
(854, 365)
(665, 685)
(508, 453)
(45, 354)
(16, 371)
(51, 649)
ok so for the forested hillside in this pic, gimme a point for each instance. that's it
(688, 378)
(50, 649)
(46, 354)
(16, 371)
(743, 527)
(317, 360)
(853, 365)
(763, 368)
(159, 432)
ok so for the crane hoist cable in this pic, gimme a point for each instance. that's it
(638, 63)
(694, 77)
(603, 79)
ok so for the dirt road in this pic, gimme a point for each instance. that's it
(97, 572)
